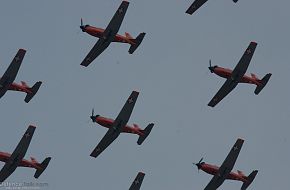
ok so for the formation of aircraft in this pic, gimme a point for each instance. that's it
(110, 35)
(220, 174)
(7, 80)
(197, 4)
(119, 125)
(136, 185)
(238, 76)
(14, 160)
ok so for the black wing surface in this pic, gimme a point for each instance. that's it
(194, 6)
(108, 35)
(244, 62)
(17, 155)
(118, 125)
(137, 181)
(11, 72)
(226, 88)
(226, 166)
(215, 182)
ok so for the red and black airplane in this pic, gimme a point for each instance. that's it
(197, 4)
(224, 171)
(6, 81)
(108, 35)
(119, 125)
(238, 76)
(14, 160)
(135, 129)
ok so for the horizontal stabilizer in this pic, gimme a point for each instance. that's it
(146, 132)
(137, 42)
(33, 90)
(250, 179)
(264, 81)
(43, 166)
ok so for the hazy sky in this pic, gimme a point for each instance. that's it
(170, 71)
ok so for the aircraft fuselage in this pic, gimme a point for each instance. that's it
(226, 73)
(98, 32)
(213, 170)
(107, 122)
(4, 157)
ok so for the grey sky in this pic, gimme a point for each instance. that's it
(170, 71)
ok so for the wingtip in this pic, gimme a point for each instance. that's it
(33, 126)
(135, 91)
(241, 139)
(94, 156)
(21, 49)
(141, 173)
(125, 1)
(254, 43)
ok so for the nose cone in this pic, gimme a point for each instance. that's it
(211, 69)
(83, 28)
(198, 166)
(94, 118)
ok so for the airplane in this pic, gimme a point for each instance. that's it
(137, 181)
(224, 171)
(108, 35)
(197, 4)
(237, 76)
(119, 125)
(14, 160)
(6, 81)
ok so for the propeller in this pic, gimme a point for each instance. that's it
(93, 116)
(199, 164)
(211, 68)
(82, 26)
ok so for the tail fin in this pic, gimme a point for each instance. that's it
(250, 179)
(146, 132)
(128, 35)
(33, 160)
(24, 84)
(264, 81)
(34, 90)
(254, 76)
(137, 42)
(43, 166)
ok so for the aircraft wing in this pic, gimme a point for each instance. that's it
(98, 48)
(118, 125)
(244, 62)
(227, 87)
(195, 5)
(226, 166)
(231, 158)
(108, 35)
(215, 182)
(11, 72)
(137, 181)
(17, 154)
